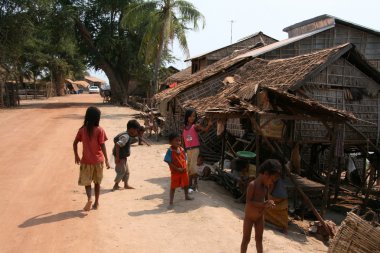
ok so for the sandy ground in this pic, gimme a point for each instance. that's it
(41, 202)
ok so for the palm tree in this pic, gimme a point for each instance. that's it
(165, 20)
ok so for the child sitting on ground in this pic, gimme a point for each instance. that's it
(176, 158)
(257, 201)
(122, 151)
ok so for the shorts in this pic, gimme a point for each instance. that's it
(179, 180)
(192, 158)
(122, 171)
(89, 173)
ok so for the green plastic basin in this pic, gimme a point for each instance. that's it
(246, 154)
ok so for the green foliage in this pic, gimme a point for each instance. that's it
(38, 38)
(163, 21)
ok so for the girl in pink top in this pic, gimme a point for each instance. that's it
(94, 154)
(191, 143)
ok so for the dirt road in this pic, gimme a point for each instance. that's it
(41, 203)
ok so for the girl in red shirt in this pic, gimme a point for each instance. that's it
(94, 154)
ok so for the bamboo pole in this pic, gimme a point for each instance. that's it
(223, 146)
(326, 192)
(338, 174)
(371, 182)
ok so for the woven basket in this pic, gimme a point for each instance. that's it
(357, 236)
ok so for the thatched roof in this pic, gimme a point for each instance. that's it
(200, 76)
(83, 84)
(335, 20)
(284, 74)
(94, 79)
(230, 106)
(238, 57)
(179, 76)
(278, 77)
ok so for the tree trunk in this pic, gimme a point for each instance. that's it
(118, 81)
(1, 93)
(59, 82)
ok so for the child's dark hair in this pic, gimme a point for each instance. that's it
(141, 129)
(172, 136)
(133, 124)
(91, 119)
(188, 113)
(270, 166)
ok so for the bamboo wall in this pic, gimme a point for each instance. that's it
(337, 86)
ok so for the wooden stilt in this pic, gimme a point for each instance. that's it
(223, 147)
(371, 182)
(338, 174)
(257, 151)
(326, 192)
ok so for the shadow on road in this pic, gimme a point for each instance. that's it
(60, 105)
(207, 196)
(50, 218)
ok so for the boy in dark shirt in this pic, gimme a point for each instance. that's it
(121, 151)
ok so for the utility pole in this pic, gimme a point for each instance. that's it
(231, 21)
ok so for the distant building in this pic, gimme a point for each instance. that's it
(199, 62)
(94, 81)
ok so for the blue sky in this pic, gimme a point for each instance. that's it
(268, 16)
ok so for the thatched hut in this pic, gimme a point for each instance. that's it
(313, 35)
(300, 102)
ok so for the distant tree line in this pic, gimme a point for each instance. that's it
(58, 39)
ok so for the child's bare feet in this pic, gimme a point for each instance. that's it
(95, 206)
(116, 187)
(128, 187)
(189, 198)
(87, 207)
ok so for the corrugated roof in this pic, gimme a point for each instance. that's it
(279, 44)
(336, 19)
(231, 45)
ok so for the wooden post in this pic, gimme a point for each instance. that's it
(257, 151)
(223, 146)
(371, 182)
(338, 174)
(326, 192)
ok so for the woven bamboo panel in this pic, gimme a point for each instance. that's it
(357, 236)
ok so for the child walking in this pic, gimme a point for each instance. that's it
(176, 158)
(94, 154)
(257, 201)
(192, 144)
(121, 151)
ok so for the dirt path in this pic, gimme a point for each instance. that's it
(41, 203)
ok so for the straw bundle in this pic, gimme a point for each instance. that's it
(356, 235)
